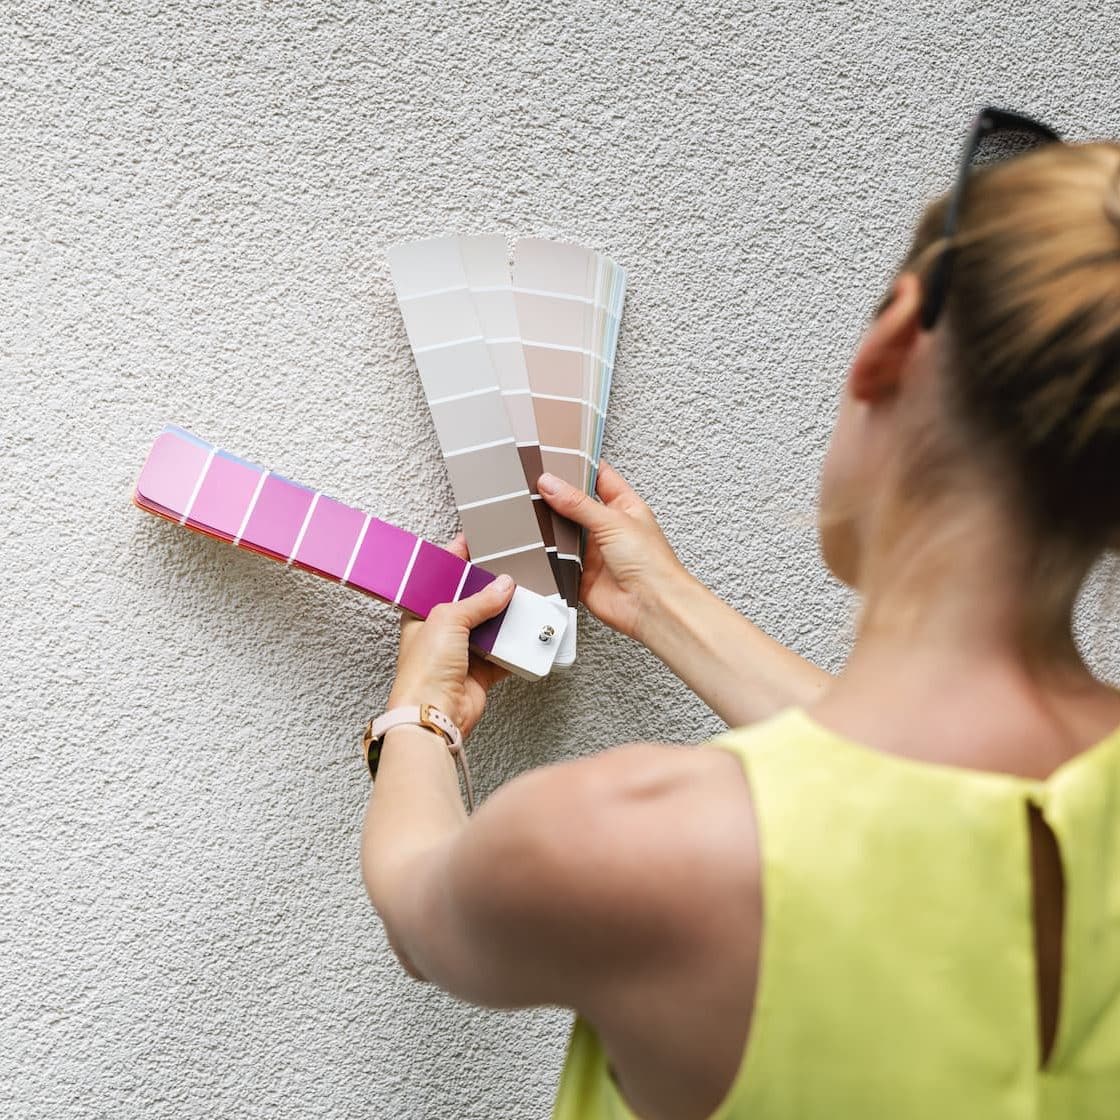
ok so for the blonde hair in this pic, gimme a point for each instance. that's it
(1033, 333)
(1031, 376)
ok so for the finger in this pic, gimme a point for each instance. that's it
(574, 504)
(457, 546)
(610, 485)
(484, 604)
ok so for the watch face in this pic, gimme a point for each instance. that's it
(373, 756)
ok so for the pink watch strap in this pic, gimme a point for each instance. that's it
(426, 716)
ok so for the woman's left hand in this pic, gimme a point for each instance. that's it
(435, 665)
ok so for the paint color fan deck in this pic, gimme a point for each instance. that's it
(516, 367)
(209, 490)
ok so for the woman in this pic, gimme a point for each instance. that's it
(901, 885)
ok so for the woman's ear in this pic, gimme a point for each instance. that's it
(882, 355)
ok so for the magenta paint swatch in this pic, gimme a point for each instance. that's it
(329, 541)
(276, 518)
(213, 492)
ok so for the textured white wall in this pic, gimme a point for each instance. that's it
(196, 201)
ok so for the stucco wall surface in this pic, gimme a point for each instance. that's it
(195, 203)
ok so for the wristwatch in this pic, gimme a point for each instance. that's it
(425, 716)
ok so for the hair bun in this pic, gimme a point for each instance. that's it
(1033, 317)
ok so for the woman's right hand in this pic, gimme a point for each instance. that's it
(628, 562)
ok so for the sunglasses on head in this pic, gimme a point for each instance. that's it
(1011, 133)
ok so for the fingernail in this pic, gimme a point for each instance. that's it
(503, 583)
(549, 483)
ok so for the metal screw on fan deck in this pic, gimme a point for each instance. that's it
(547, 633)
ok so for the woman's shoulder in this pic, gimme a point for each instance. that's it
(640, 801)
(642, 835)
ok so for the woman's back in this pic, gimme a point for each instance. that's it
(939, 930)
(911, 913)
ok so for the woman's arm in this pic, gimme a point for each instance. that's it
(634, 583)
(571, 882)
(416, 809)
(581, 884)
(741, 673)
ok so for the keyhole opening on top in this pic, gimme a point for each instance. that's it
(1048, 904)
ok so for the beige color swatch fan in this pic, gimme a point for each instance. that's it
(516, 366)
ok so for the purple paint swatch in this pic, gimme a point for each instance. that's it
(485, 635)
(381, 561)
(435, 579)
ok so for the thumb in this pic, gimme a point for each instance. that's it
(574, 504)
(484, 604)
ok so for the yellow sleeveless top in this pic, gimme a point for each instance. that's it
(897, 974)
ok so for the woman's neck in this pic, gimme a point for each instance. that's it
(965, 654)
(970, 585)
